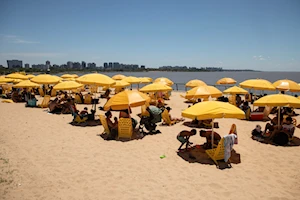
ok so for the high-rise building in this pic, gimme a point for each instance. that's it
(14, 64)
(116, 65)
(83, 64)
(105, 65)
(110, 65)
(47, 64)
(76, 65)
(70, 64)
(27, 66)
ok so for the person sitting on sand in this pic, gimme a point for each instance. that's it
(84, 112)
(245, 106)
(173, 119)
(288, 128)
(106, 94)
(113, 126)
(184, 137)
(207, 135)
(126, 114)
(160, 104)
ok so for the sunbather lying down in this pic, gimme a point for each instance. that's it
(172, 118)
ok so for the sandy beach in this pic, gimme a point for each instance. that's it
(42, 156)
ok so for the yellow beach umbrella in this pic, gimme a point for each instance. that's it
(164, 80)
(95, 79)
(17, 80)
(278, 100)
(5, 80)
(120, 84)
(26, 84)
(235, 90)
(118, 77)
(145, 80)
(213, 110)
(69, 79)
(225, 81)
(30, 76)
(45, 79)
(17, 76)
(203, 92)
(75, 75)
(195, 83)
(155, 87)
(126, 99)
(257, 84)
(286, 84)
(131, 79)
(67, 76)
(67, 85)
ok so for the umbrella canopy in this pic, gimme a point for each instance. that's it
(257, 84)
(45, 79)
(203, 92)
(278, 100)
(287, 85)
(120, 84)
(95, 79)
(118, 77)
(195, 83)
(26, 84)
(235, 90)
(225, 81)
(17, 76)
(126, 99)
(155, 87)
(164, 81)
(132, 79)
(68, 76)
(30, 76)
(17, 80)
(145, 80)
(213, 110)
(5, 80)
(75, 75)
(69, 79)
(67, 85)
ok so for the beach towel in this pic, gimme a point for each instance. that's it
(228, 145)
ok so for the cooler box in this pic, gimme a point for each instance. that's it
(257, 116)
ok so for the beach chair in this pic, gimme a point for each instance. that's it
(94, 89)
(104, 124)
(41, 92)
(53, 93)
(166, 118)
(77, 99)
(217, 153)
(232, 100)
(144, 111)
(45, 102)
(125, 128)
(88, 99)
(77, 119)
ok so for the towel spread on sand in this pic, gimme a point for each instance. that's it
(228, 145)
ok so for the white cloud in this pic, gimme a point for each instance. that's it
(16, 39)
(261, 58)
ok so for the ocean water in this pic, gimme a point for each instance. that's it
(210, 78)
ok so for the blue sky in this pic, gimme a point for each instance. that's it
(241, 34)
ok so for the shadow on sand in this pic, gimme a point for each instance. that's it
(87, 123)
(293, 143)
(136, 135)
(196, 154)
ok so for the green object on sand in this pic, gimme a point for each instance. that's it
(163, 156)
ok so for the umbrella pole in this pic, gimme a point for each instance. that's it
(278, 115)
(212, 133)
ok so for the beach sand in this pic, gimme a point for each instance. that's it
(42, 156)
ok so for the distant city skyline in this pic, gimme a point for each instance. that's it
(248, 34)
